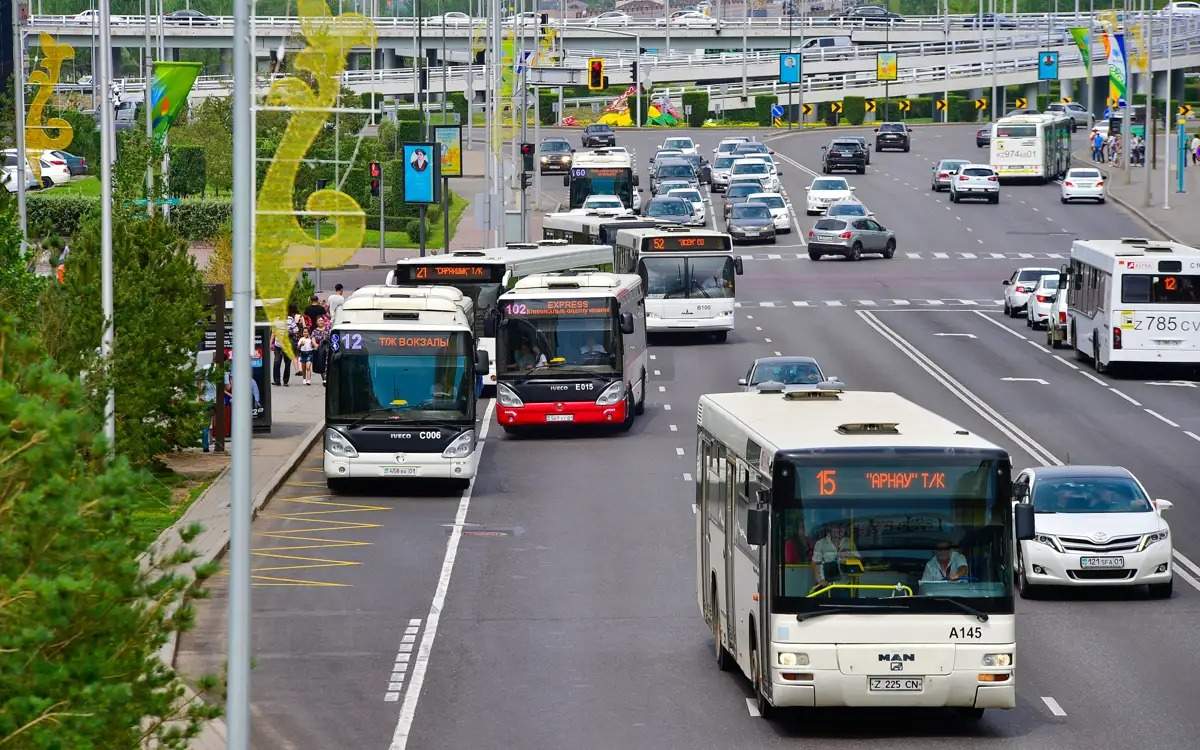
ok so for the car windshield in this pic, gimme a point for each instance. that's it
(723, 162)
(754, 167)
(704, 277)
(977, 172)
(950, 165)
(603, 201)
(751, 148)
(891, 127)
(728, 146)
(848, 209)
(788, 373)
(679, 143)
(770, 201)
(688, 195)
(555, 147)
(751, 211)
(669, 207)
(1089, 495)
(1048, 282)
(599, 129)
(540, 346)
(1033, 274)
(830, 185)
(675, 170)
(740, 191)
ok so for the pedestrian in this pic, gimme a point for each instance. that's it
(1196, 148)
(321, 358)
(313, 312)
(1097, 146)
(280, 361)
(308, 349)
(335, 300)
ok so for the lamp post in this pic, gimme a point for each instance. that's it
(1167, 115)
(18, 43)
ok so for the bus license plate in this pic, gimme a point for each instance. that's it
(400, 471)
(560, 417)
(897, 684)
(1102, 562)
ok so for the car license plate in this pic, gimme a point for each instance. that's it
(1102, 562)
(751, 232)
(560, 417)
(897, 684)
(400, 471)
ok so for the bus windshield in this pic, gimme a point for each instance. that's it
(544, 347)
(901, 533)
(399, 376)
(698, 277)
(587, 181)
(1169, 289)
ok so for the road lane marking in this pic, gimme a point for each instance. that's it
(666, 407)
(1130, 399)
(1072, 365)
(687, 478)
(1039, 346)
(1093, 378)
(1185, 562)
(1192, 435)
(799, 303)
(964, 335)
(1026, 380)
(780, 354)
(767, 304)
(1052, 704)
(1161, 418)
(679, 451)
(657, 373)
(673, 428)
(767, 340)
(408, 710)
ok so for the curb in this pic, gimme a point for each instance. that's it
(1127, 205)
(354, 267)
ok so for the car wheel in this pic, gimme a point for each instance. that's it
(1101, 200)
(814, 255)
(889, 250)
(47, 183)
(1028, 320)
(824, 169)
(855, 252)
(953, 196)
(774, 240)
(1063, 200)
(995, 200)
(1008, 313)
(1162, 590)
(906, 149)
(1026, 589)
(862, 170)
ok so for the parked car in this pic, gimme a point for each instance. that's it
(943, 172)
(8, 176)
(850, 238)
(611, 18)
(893, 135)
(555, 155)
(1019, 286)
(783, 370)
(844, 153)
(781, 210)
(826, 190)
(983, 136)
(1040, 302)
(1093, 526)
(751, 222)
(599, 134)
(1083, 183)
(76, 164)
(54, 170)
(975, 181)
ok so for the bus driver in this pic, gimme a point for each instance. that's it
(946, 565)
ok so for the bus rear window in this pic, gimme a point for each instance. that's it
(1171, 289)
(1016, 131)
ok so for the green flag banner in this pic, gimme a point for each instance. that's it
(169, 90)
(1080, 35)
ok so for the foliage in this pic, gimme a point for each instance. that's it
(134, 152)
(84, 616)
(220, 262)
(458, 101)
(762, 108)
(59, 213)
(854, 108)
(85, 137)
(201, 218)
(547, 100)
(698, 101)
(18, 284)
(188, 174)
(302, 291)
(963, 110)
(210, 126)
(158, 302)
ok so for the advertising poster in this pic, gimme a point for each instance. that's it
(789, 67)
(1080, 35)
(449, 141)
(887, 66)
(1116, 69)
(1047, 66)
(421, 168)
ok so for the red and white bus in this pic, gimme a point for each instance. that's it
(571, 349)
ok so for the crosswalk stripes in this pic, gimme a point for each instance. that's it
(826, 303)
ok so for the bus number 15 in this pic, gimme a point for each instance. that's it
(827, 482)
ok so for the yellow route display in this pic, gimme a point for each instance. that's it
(37, 139)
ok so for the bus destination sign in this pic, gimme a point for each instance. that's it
(558, 308)
(870, 481)
(598, 171)
(441, 272)
(375, 342)
(686, 242)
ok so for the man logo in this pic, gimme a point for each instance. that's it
(897, 657)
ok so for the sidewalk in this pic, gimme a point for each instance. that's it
(1179, 222)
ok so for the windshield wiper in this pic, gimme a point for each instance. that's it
(833, 609)
(979, 614)
(371, 413)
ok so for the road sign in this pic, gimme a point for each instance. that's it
(835, 107)
(806, 109)
(1066, 100)
(939, 105)
(1185, 110)
(1021, 102)
(789, 67)
(981, 104)
(776, 110)
(904, 105)
(870, 105)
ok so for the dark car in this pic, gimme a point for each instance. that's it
(893, 135)
(77, 165)
(870, 14)
(844, 153)
(668, 210)
(192, 17)
(866, 147)
(739, 193)
(989, 20)
(674, 168)
(701, 167)
(751, 148)
(751, 222)
(983, 136)
(599, 135)
(554, 155)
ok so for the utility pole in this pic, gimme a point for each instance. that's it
(995, 87)
(1167, 116)
(1149, 140)
(498, 189)
(19, 118)
(107, 157)
(147, 73)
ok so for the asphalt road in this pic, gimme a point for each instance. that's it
(568, 615)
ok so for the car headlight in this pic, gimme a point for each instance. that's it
(461, 446)
(789, 659)
(545, 159)
(612, 394)
(338, 444)
(997, 660)
(1158, 536)
(506, 396)
(1049, 541)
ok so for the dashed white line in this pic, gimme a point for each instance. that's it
(687, 478)
(662, 389)
(1192, 435)
(758, 328)
(679, 451)
(834, 303)
(666, 407)
(1038, 346)
(657, 373)
(1093, 378)
(767, 304)
(768, 340)
(1072, 365)
(1052, 704)
(673, 428)
(1161, 418)
(1128, 398)
(778, 354)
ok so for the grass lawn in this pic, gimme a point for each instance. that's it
(433, 231)
(153, 514)
(87, 185)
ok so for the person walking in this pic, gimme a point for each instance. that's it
(1195, 148)
(280, 361)
(308, 349)
(321, 354)
(335, 300)
(1097, 146)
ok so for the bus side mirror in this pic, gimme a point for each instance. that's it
(489, 326)
(737, 266)
(1023, 517)
(756, 527)
(626, 323)
(483, 363)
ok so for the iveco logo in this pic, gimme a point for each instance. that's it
(897, 657)
(400, 435)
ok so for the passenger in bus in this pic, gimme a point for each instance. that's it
(592, 347)
(526, 357)
(796, 547)
(947, 564)
(830, 552)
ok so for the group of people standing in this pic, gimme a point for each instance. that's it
(1108, 148)
(308, 331)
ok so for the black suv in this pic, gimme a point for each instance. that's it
(844, 153)
(599, 135)
(894, 135)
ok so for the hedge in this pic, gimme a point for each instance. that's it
(200, 218)
(58, 214)
(458, 101)
(963, 110)
(762, 108)
(546, 102)
(188, 173)
(854, 108)
(698, 101)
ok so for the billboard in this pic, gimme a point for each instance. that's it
(421, 172)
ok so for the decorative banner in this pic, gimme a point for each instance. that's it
(169, 91)
(1080, 35)
(1117, 68)
(1047, 66)
(449, 141)
(46, 78)
(789, 67)
(282, 246)
(887, 66)
(1140, 55)
(421, 172)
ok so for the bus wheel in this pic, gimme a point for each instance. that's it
(969, 714)
(720, 336)
(624, 427)
(760, 699)
(724, 658)
(337, 486)
(1099, 366)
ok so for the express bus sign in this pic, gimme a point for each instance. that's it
(558, 308)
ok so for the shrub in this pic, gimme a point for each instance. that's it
(546, 103)
(458, 102)
(60, 214)
(963, 111)
(302, 291)
(854, 109)
(698, 101)
(201, 218)
(188, 175)
(762, 108)
(412, 227)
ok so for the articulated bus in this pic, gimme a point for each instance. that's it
(483, 275)
(594, 229)
(601, 172)
(1133, 300)
(401, 391)
(572, 350)
(689, 278)
(1032, 146)
(832, 532)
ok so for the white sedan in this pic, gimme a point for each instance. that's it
(1093, 526)
(610, 18)
(824, 191)
(1083, 183)
(693, 196)
(605, 205)
(684, 144)
(54, 170)
(691, 19)
(1040, 305)
(453, 18)
(778, 206)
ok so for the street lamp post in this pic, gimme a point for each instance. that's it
(19, 118)
(1167, 115)
(107, 157)
(1150, 140)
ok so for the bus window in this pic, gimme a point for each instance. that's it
(1016, 131)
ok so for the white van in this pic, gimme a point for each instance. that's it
(825, 43)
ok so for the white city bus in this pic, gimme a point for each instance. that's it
(402, 387)
(572, 350)
(1133, 300)
(483, 275)
(594, 229)
(1032, 146)
(832, 529)
(689, 276)
(601, 172)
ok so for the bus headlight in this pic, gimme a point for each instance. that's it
(1148, 539)
(506, 396)
(997, 660)
(612, 394)
(338, 444)
(461, 446)
(789, 659)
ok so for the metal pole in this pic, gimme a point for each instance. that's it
(147, 66)
(947, 49)
(521, 81)
(166, 155)
(470, 91)
(637, 84)
(791, 88)
(667, 26)
(1091, 82)
(237, 705)
(445, 214)
(107, 157)
(995, 87)
(19, 118)
(1167, 115)
(537, 138)
(421, 232)
(382, 222)
(1149, 140)
(1125, 120)
(444, 89)
(745, 24)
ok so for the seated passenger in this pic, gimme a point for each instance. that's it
(830, 552)
(946, 565)
(593, 346)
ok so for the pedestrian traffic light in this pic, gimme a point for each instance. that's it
(376, 173)
(527, 157)
(595, 73)
(526, 180)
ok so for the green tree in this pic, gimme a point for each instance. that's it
(18, 284)
(82, 619)
(158, 304)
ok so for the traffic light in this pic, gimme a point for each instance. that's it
(633, 71)
(527, 157)
(595, 73)
(376, 174)
(526, 180)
